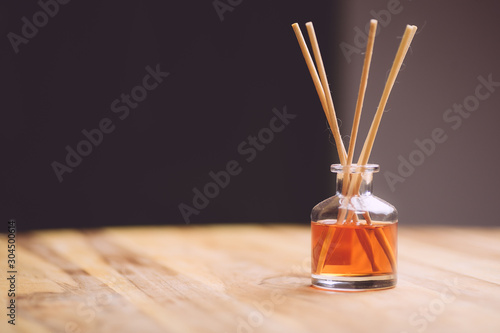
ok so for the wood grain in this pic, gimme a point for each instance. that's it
(248, 278)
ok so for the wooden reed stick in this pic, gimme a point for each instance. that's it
(331, 117)
(327, 106)
(362, 89)
(359, 105)
(362, 234)
(326, 99)
(326, 88)
(355, 183)
(396, 66)
(313, 72)
(368, 145)
(327, 103)
(333, 237)
(367, 247)
(384, 242)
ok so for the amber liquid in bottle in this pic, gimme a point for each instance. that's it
(355, 250)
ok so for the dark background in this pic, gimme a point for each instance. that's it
(225, 78)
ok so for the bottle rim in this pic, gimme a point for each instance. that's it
(354, 168)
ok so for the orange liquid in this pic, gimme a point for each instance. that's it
(354, 250)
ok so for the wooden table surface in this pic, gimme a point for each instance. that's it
(248, 278)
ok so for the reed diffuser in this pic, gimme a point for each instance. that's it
(354, 233)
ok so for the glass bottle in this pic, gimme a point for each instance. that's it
(354, 235)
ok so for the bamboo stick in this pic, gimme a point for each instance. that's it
(368, 145)
(398, 61)
(321, 85)
(384, 242)
(367, 247)
(359, 104)
(362, 235)
(362, 89)
(326, 88)
(355, 183)
(326, 102)
(352, 183)
(313, 72)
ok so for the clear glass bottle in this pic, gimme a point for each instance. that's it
(354, 237)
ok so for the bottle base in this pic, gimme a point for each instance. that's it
(354, 283)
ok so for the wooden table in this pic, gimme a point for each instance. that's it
(248, 278)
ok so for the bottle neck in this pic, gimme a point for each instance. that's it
(365, 179)
(359, 176)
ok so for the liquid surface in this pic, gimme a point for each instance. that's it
(354, 250)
